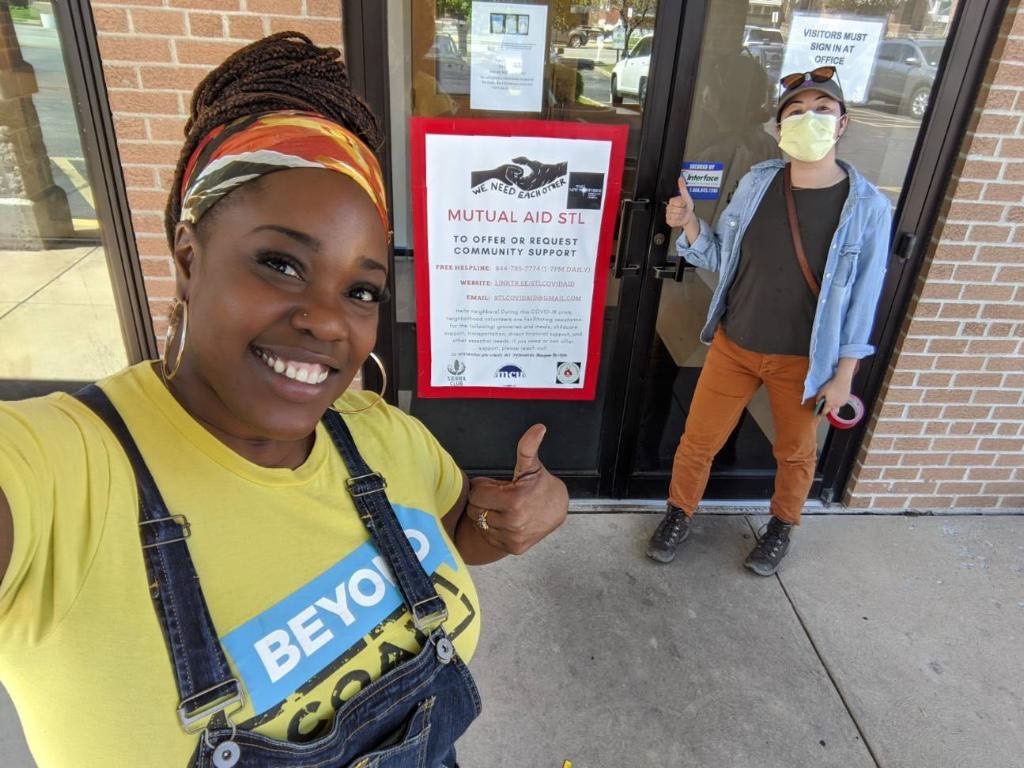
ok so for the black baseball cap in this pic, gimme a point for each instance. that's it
(809, 82)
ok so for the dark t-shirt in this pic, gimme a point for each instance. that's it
(769, 306)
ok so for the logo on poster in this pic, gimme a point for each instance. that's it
(585, 191)
(567, 373)
(522, 178)
(456, 372)
(509, 372)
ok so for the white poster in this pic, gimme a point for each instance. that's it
(507, 56)
(513, 245)
(848, 43)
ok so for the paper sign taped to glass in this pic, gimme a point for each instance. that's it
(508, 56)
(513, 224)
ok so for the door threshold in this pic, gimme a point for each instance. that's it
(760, 507)
(657, 506)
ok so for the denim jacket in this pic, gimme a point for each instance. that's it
(854, 269)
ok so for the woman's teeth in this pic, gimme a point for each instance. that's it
(307, 373)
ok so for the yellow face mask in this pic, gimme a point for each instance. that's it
(808, 137)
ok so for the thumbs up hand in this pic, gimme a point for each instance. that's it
(517, 514)
(679, 210)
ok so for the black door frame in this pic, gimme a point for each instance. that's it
(654, 132)
(365, 32)
(675, 61)
(99, 145)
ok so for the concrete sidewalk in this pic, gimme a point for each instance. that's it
(885, 641)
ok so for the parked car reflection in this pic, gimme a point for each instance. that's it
(768, 48)
(904, 71)
(451, 69)
(579, 36)
(629, 76)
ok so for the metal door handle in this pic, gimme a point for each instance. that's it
(627, 207)
(905, 245)
(668, 269)
(675, 271)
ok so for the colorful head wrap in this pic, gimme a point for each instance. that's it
(247, 148)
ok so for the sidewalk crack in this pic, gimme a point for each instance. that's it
(824, 664)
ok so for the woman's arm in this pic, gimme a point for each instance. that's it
(699, 243)
(6, 535)
(518, 513)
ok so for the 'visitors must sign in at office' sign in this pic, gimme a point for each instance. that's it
(848, 43)
(513, 229)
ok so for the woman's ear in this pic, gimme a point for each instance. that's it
(842, 125)
(184, 255)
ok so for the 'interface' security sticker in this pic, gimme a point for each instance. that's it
(703, 180)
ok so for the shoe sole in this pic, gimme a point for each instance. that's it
(666, 557)
(761, 572)
(661, 557)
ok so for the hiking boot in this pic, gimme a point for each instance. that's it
(772, 545)
(670, 533)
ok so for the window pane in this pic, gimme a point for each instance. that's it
(58, 321)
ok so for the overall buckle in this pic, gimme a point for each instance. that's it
(233, 701)
(180, 520)
(429, 620)
(352, 482)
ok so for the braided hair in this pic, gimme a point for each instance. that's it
(286, 70)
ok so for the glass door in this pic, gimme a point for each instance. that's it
(695, 82)
(888, 65)
(601, 66)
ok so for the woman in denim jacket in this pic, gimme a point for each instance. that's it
(797, 328)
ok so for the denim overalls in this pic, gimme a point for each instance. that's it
(409, 718)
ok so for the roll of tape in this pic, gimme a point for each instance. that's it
(839, 422)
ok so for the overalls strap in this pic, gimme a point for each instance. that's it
(205, 683)
(367, 490)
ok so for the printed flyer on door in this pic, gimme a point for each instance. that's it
(507, 72)
(513, 224)
(848, 43)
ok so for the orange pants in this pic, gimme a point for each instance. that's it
(730, 377)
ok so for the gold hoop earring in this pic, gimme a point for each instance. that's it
(380, 395)
(172, 331)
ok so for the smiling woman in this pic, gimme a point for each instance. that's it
(334, 618)
(300, 289)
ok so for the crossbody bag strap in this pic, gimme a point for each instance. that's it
(794, 231)
(366, 488)
(205, 684)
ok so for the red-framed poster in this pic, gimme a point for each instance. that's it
(513, 225)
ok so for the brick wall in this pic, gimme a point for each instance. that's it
(154, 53)
(950, 428)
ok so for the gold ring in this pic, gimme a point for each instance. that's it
(481, 521)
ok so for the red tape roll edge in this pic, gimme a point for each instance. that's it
(858, 413)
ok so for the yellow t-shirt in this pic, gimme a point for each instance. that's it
(305, 610)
